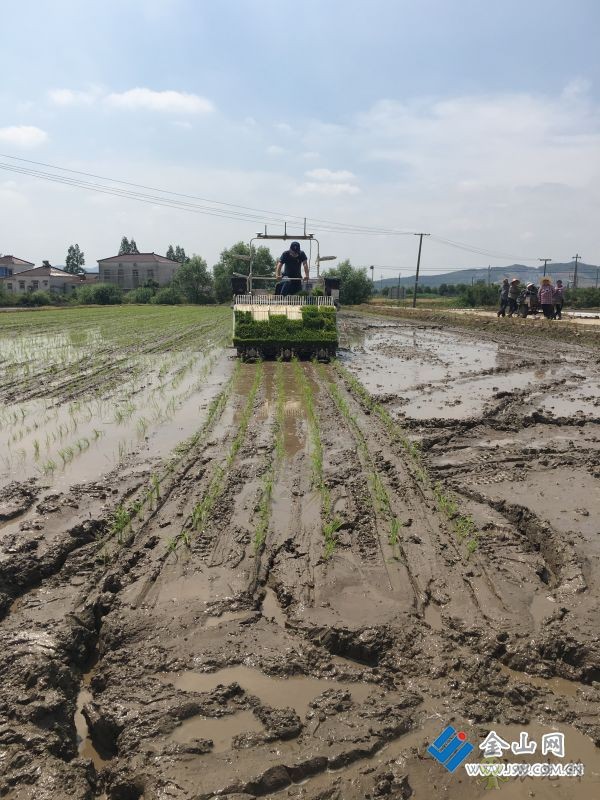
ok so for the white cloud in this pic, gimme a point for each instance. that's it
(71, 97)
(310, 155)
(327, 188)
(23, 136)
(505, 140)
(275, 150)
(187, 126)
(141, 99)
(330, 175)
(283, 127)
(137, 99)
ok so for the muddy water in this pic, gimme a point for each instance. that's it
(558, 686)
(294, 692)
(271, 609)
(221, 731)
(76, 442)
(397, 358)
(85, 745)
(466, 397)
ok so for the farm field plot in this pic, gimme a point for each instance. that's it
(286, 579)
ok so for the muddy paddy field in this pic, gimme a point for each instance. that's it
(285, 580)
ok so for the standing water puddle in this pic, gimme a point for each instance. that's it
(294, 692)
(555, 685)
(221, 731)
(271, 609)
(85, 746)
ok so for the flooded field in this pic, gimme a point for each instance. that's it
(286, 579)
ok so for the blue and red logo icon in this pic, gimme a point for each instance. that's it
(450, 748)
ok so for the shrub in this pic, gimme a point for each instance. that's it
(583, 298)
(36, 299)
(102, 294)
(167, 297)
(481, 294)
(6, 299)
(143, 295)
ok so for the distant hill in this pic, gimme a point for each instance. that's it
(586, 275)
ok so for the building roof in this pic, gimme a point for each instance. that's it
(13, 261)
(53, 272)
(130, 258)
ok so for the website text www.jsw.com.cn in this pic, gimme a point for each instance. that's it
(520, 770)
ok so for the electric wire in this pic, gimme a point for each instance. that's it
(217, 208)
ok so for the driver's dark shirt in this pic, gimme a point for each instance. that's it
(292, 265)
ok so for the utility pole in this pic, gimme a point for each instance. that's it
(597, 278)
(576, 259)
(489, 275)
(372, 268)
(399, 274)
(545, 260)
(420, 235)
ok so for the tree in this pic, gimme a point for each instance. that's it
(355, 286)
(194, 281)
(263, 263)
(177, 253)
(75, 260)
(128, 246)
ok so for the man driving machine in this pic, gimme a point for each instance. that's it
(291, 260)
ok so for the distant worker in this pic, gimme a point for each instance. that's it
(531, 299)
(504, 289)
(513, 295)
(546, 295)
(558, 299)
(291, 260)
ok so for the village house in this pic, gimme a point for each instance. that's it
(131, 270)
(46, 279)
(10, 265)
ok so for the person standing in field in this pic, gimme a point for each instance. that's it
(546, 297)
(504, 289)
(558, 299)
(513, 293)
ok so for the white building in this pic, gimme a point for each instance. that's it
(10, 265)
(46, 279)
(134, 269)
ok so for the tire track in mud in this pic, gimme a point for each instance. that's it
(74, 621)
(152, 631)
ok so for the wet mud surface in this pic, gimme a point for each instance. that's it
(306, 572)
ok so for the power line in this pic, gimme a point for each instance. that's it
(277, 216)
(216, 208)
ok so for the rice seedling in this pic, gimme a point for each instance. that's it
(463, 526)
(203, 509)
(119, 523)
(331, 524)
(48, 467)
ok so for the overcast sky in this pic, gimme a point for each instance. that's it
(476, 121)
